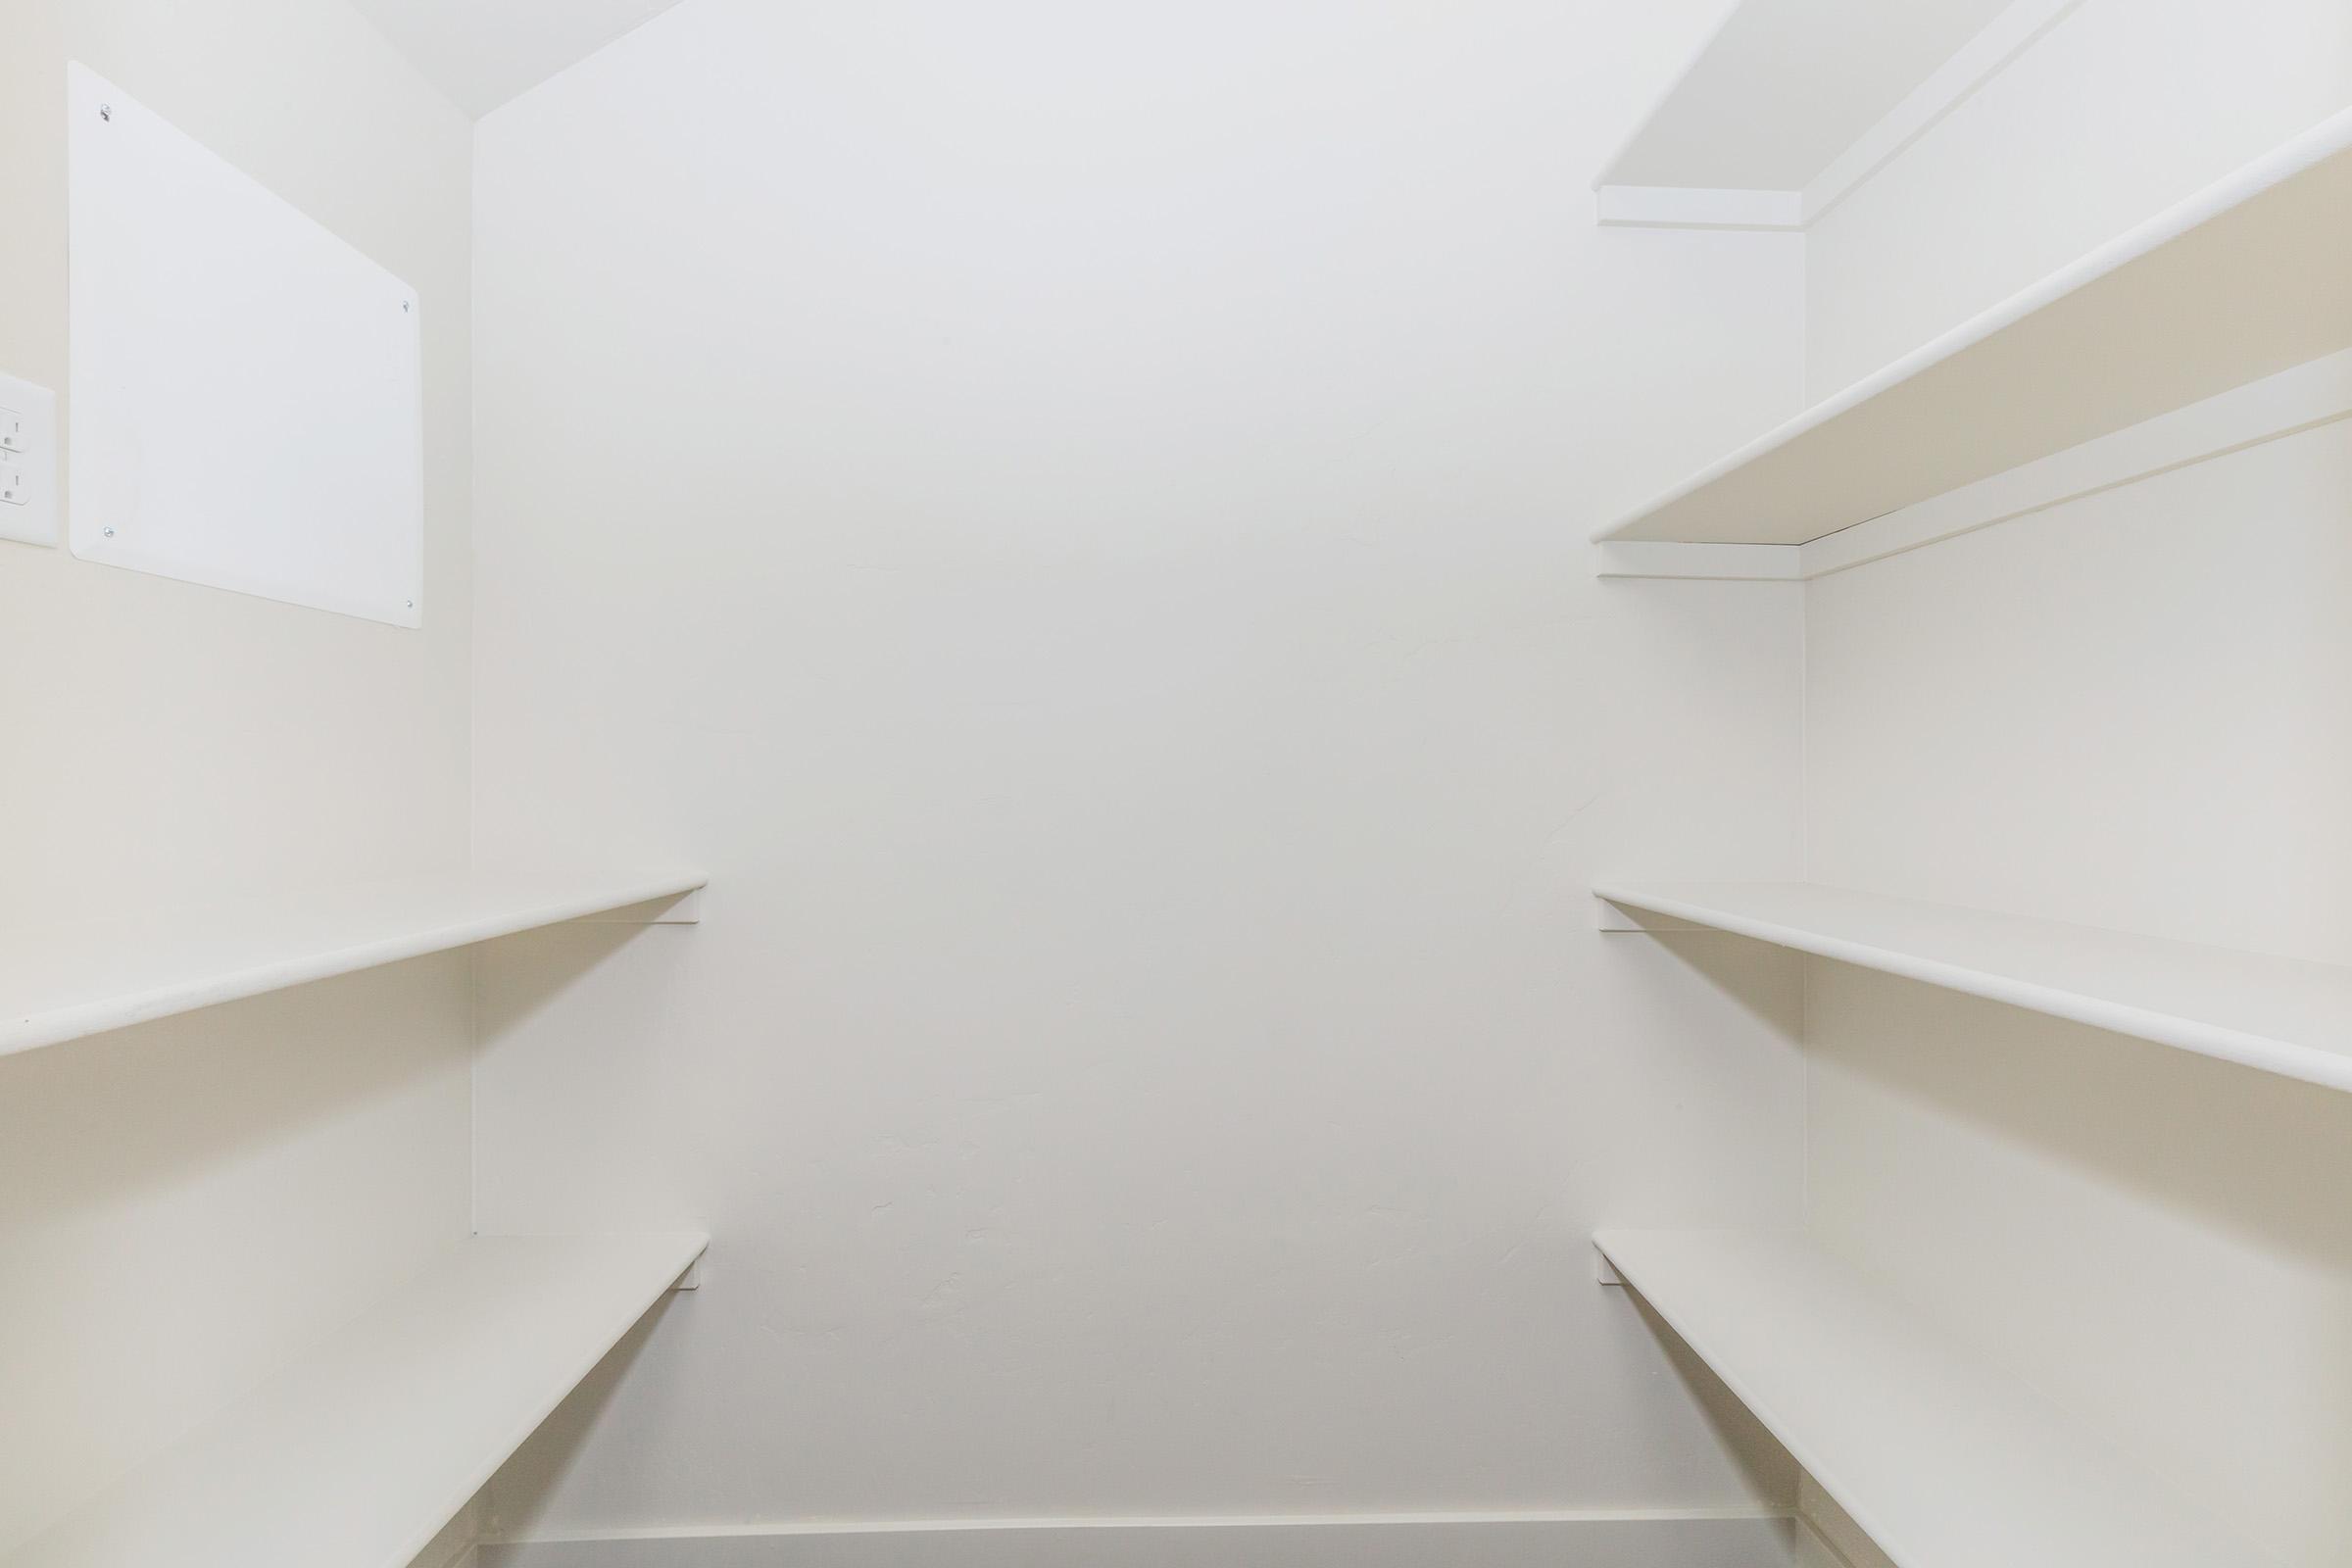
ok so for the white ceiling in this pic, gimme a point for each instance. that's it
(483, 52)
(1787, 85)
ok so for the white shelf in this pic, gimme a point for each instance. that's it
(62, 982)
(2282, 1016)
(2240, 281)
(1783, 91)
(361, 1452)
(1943, 1459)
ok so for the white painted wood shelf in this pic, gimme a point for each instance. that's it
(358, 1456)
(62, 982)
(1790, 104)
(1943, 1459)
(2282, 1016)
(2242, 281)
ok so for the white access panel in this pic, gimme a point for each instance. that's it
(246, 396)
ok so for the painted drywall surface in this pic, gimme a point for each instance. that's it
(2124, 108)
(177, 739)
(189, 1202)
(183, 1203)
(483, 55)
(2124, 712)
(2156, 1240)
(1071, 514)
(2128, 712)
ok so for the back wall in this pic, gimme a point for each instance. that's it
(1074, 514)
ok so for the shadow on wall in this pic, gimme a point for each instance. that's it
(186, 1202)
(531, 968)
(2154, 1127)
(516, 1498)
(1757, 978)
(2086, 1206)
(104, 1122)
(1764, 1465)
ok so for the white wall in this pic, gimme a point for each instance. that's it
(2124, 108)
(183, 1204)
(2137, 720)
(1074, 515)
(2128, 712)
(185, 738)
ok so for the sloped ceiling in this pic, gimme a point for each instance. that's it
(483, 52)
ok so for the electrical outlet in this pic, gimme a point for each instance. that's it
(28, 463)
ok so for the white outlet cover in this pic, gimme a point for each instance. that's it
(32, 521)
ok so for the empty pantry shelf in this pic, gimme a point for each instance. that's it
(60, 982)
(2282, 1016)
(1943, 1459)
(357, 1455)
(2242, 281)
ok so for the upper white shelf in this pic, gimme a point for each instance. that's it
(2243, 279)
(358, 1456)
(2282, 1016)
(1782, 87)
(62, 982)
(1943, 1460)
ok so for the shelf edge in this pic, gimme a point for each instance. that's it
(77, 1020)
(694, 1244)
(2281, 163)
(2264, 1052)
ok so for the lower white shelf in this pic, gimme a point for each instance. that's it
(2282, 1016)
(360, 1454)
(1943, 1460)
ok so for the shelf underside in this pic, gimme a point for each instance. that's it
(2245, 279)
(358, 1454)
(2282, 1016)
(1943, 1459)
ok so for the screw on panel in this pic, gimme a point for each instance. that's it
(108, 532)
(106, 111)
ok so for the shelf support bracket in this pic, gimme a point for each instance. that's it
(684, 910)
(1622, 917)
